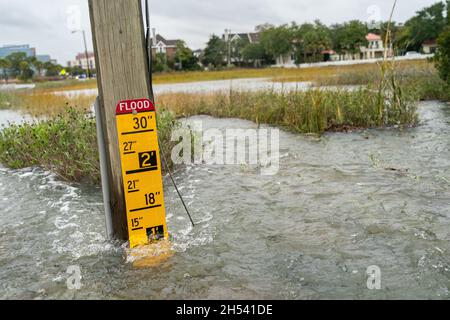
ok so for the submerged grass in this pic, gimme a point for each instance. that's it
(65, 145)
(312, 111)
(7, 99)
(49, 104)
(40, 103)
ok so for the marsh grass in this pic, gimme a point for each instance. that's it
(70, 84)
(39, 103)
(7, 99)
(325, 74)
(65, 144)
(49, 104)
(421, 78)
(312, 111)
(371, 73)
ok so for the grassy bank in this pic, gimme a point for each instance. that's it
(313, 74)
(421, 77)
(48, 104)
(40, 103)
(312, 111)
(65, 145)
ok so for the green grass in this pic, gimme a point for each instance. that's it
(66, 85)
(421, 78)
(312, 111)
(65, 145)
(7, 99)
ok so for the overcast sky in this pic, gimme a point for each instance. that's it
(46, 24)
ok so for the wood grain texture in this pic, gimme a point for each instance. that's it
(122, 71)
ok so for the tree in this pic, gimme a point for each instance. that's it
(52, 70)
(254, 53)
(76, 71)
(277, 41)
(20, 66)
(443, 55)
(185, 57)
(448, 12)
(311, 40)
(26, 71)
(160, 63)
(237, 46)
(349, 37)
(215, 52)
(427, 24)
(264, 26)
(38, 65)
(5, 64)
(15, 60)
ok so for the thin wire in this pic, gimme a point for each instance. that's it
(150, 68)
(175, 184)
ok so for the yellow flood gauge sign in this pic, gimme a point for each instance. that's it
(141, 169)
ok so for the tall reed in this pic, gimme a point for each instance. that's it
(311, 111)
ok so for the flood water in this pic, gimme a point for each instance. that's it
(251, 84)
(9, 116)
(339, 204)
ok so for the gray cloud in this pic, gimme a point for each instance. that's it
(43, 23)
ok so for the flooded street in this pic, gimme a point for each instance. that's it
(339, 204)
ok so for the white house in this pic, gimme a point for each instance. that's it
(82, 62)
(375, 47)
(429, 47)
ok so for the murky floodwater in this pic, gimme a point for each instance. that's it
(251, 84)
(9, 116)
(336, 207)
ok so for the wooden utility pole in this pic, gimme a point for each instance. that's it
(122, 71)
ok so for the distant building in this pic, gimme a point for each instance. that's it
(5, 51)
(375, 48)
(8, 50)
(160, 45)
(251, 37)
(198, 53)
(287, 59)
(328, 55)
(83, 62)
(429, 46)
(44, 58)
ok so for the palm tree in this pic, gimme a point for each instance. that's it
(4, 65)
(38, 65)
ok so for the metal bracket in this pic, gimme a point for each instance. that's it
(104, 170)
